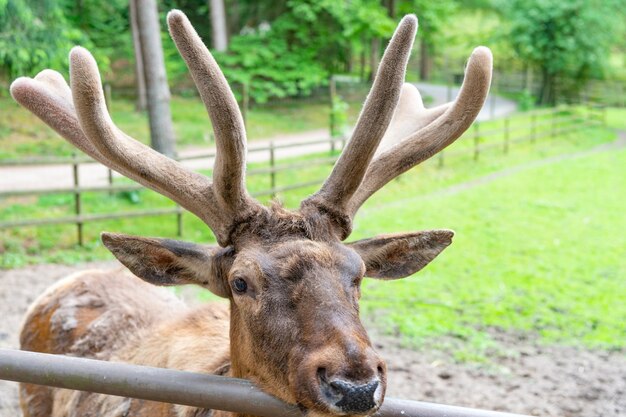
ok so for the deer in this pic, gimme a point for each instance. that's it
(291, 324)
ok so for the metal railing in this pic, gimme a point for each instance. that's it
(530, 127)
(185, 388)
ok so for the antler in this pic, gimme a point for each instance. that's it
(418, 133)
(80, 116)
(348, 172)
(433, 129)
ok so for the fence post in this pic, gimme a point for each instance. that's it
(506, 135)
(476, 141)
(77, 201)
(110, 179)
(332, 92)
(107, 96)
(533, 121)
(179, 221)
(492, 98)
(245, 103)
(272, 169)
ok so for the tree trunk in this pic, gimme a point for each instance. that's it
(218, 25)
(424, 61)
(391, 8)
(374, 57)
(140, 79)
(157, 90)
(547, 95)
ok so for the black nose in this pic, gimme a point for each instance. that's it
(351, 398)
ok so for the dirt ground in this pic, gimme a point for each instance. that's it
(530, 379)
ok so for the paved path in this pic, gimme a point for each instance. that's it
(494, 107)
(34, 177)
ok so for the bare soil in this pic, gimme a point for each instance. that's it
(529, 379)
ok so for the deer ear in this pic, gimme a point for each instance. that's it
(168, 262)
(400, 255)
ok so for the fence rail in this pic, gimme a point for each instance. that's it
(528, 127)
(185, 388)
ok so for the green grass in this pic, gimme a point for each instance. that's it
(538, 251)
(539, 247)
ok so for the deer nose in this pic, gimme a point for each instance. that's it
(349, 397)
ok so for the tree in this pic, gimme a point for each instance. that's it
(218, 25)
(157, 90)
(36, 35)
(300, 48)
(141, 103)
(433, 18)
(568, 39)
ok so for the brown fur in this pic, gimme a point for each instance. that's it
(115, 316)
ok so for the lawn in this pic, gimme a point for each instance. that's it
(539, 243)
(541, 250)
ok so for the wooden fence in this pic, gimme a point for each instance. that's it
(499, 135)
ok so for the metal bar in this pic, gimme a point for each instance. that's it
(186, 388)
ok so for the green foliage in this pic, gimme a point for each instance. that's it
(434, 18)
(297, 51)
(35, 35)
(561, 38)
(270, 66)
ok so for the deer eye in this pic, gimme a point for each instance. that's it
(239, 285)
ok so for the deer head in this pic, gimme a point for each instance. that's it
(293, 286)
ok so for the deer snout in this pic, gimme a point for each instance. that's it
(349, 397)
(350, 380)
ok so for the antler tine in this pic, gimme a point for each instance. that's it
(373, 121)
(150, 168)
(434, 136)
(49, 97)
(226, 118)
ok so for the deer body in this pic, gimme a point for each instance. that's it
(113, 315)
(292, 324)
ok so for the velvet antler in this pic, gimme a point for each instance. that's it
(415, 132)
(393, 113)
(80, 116)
